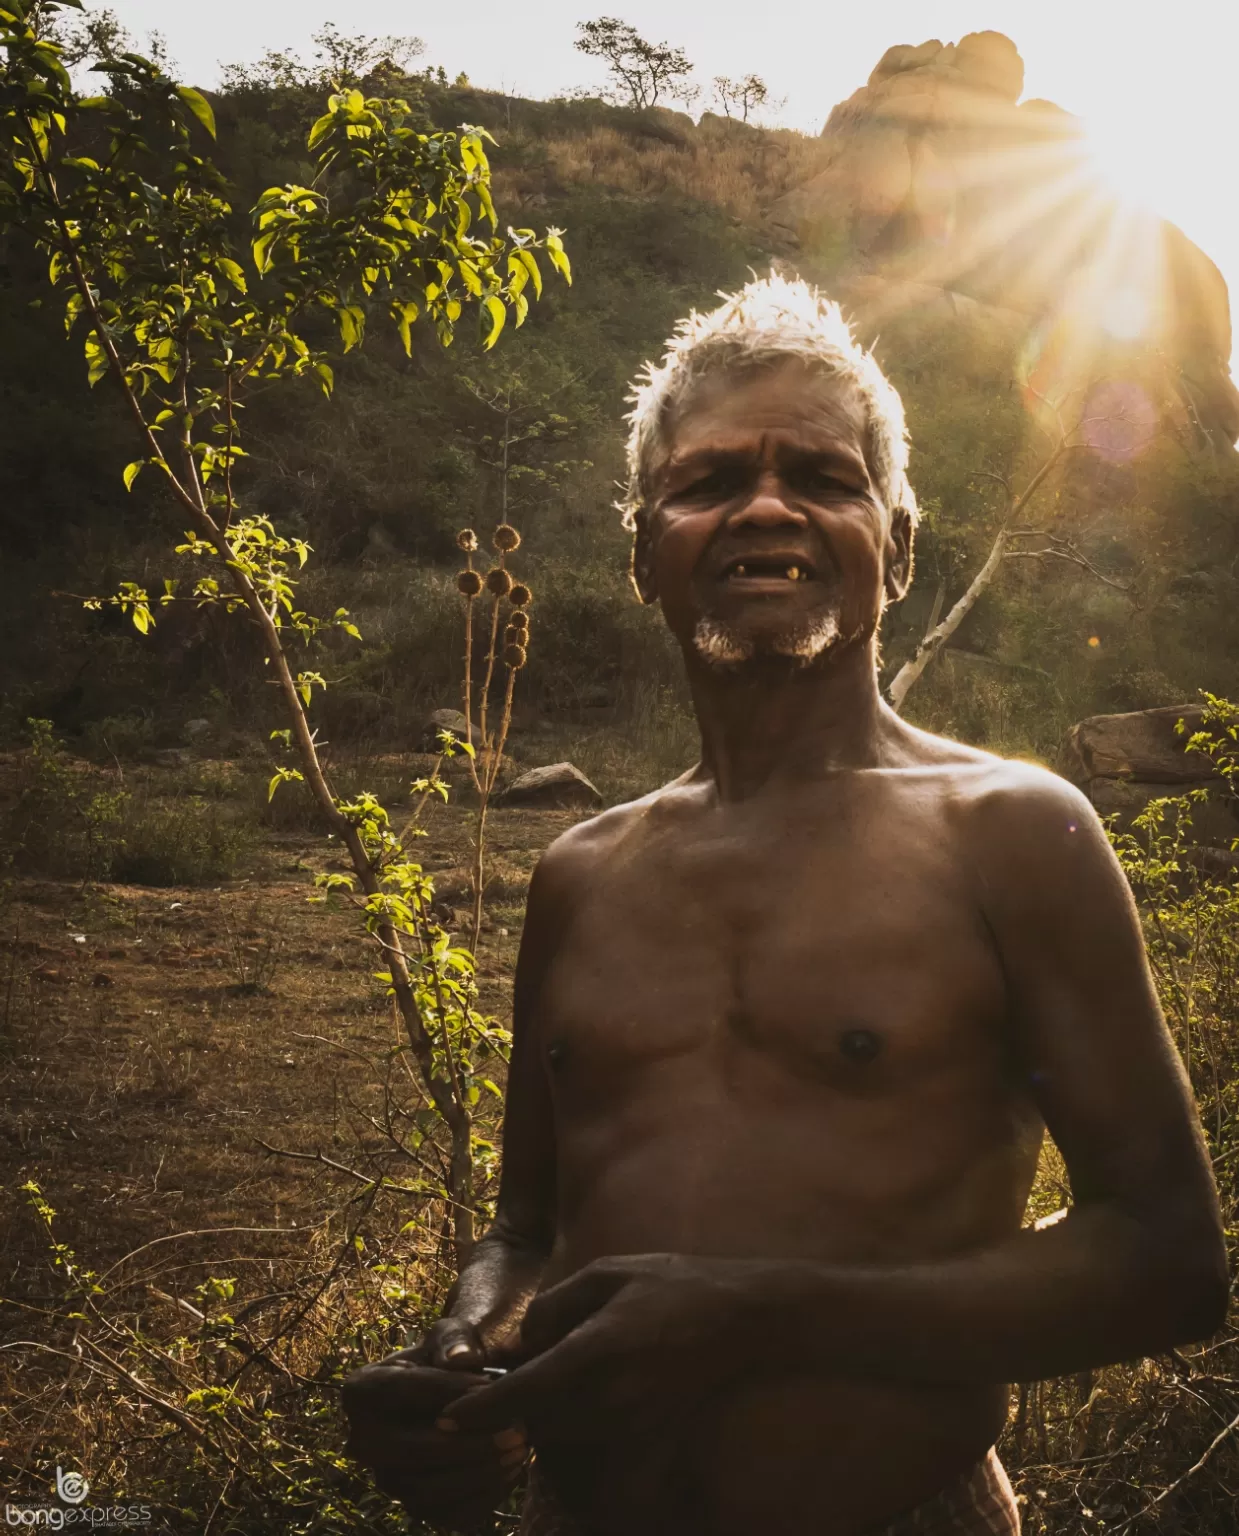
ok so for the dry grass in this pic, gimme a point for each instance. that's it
(741, 171)
(217, 1073)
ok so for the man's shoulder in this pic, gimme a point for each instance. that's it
(1006, 801)
(578, 851)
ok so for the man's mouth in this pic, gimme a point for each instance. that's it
(771, 572)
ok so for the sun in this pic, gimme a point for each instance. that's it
(1128, 157)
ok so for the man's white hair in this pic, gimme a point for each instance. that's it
(772, 319)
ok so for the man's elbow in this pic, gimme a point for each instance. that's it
(1200, 1299)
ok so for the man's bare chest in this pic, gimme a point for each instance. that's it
(831, 947)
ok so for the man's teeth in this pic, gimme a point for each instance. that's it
(792, 572)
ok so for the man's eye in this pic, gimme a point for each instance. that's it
(715, 485)
(816, 479)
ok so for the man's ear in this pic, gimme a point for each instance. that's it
(643, 561)
(899, 555)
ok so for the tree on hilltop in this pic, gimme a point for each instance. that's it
(641, 70)
(339, 60)
(739, 98)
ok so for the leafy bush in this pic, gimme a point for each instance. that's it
(182, 841)
(61, 824)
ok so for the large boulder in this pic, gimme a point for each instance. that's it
(1144, 746)
(559, 786)
(933, 175)
(1121, 762)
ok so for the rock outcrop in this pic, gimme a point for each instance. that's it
(1121, 762)
(1144, 745)
(940, 187)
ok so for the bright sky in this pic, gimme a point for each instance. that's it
(1155, 83)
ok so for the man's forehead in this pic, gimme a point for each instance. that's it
(731, 411)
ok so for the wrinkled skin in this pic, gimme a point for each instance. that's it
(788, 1033)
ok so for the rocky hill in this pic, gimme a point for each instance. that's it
(940, 189)
(957, 224)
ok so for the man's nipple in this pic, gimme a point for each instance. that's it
(860, 1045)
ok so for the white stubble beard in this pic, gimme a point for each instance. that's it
(718, 645)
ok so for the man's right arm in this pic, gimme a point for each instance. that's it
(455, 1479)
(481, 1321)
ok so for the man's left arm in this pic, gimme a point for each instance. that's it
(1137, 1265)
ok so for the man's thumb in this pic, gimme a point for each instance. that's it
(455, 1345)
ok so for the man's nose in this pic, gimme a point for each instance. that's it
(767, 508)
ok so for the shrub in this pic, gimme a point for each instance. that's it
(58, 824)
(179, 841)
(61, 824)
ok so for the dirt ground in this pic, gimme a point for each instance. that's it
(156, 1043)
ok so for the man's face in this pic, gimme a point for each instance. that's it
(766, 536)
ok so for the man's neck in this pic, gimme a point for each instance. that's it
(769, 721)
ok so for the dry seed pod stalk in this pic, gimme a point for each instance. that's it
(467, 540)
(521, 595)
(498, 582)
(469, 583)
(506, 539)
(514, 656)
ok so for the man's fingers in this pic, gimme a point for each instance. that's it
(554, 1313)
(455, 1345)
(377, 1394)
(516, 1397)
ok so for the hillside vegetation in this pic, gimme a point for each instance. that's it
(660, 214)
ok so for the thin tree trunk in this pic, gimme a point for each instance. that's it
(938, 636)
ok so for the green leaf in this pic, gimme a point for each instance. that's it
(232, 271)
(352, 325)
(199, 106)
(559, 257)
(498, 318)
(132, 471)
(96, 359)
(320, 130)
(404, 316)
(527, 260)
(283, 776)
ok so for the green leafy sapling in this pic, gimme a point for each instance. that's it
(139, 233)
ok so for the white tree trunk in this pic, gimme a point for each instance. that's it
(938, 636)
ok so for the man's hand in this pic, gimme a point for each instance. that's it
(622, 1336)
(441, 1476)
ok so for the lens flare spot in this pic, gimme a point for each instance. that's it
(1120, 421)
(1094, 642)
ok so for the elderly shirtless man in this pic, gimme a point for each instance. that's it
(788, 1034)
